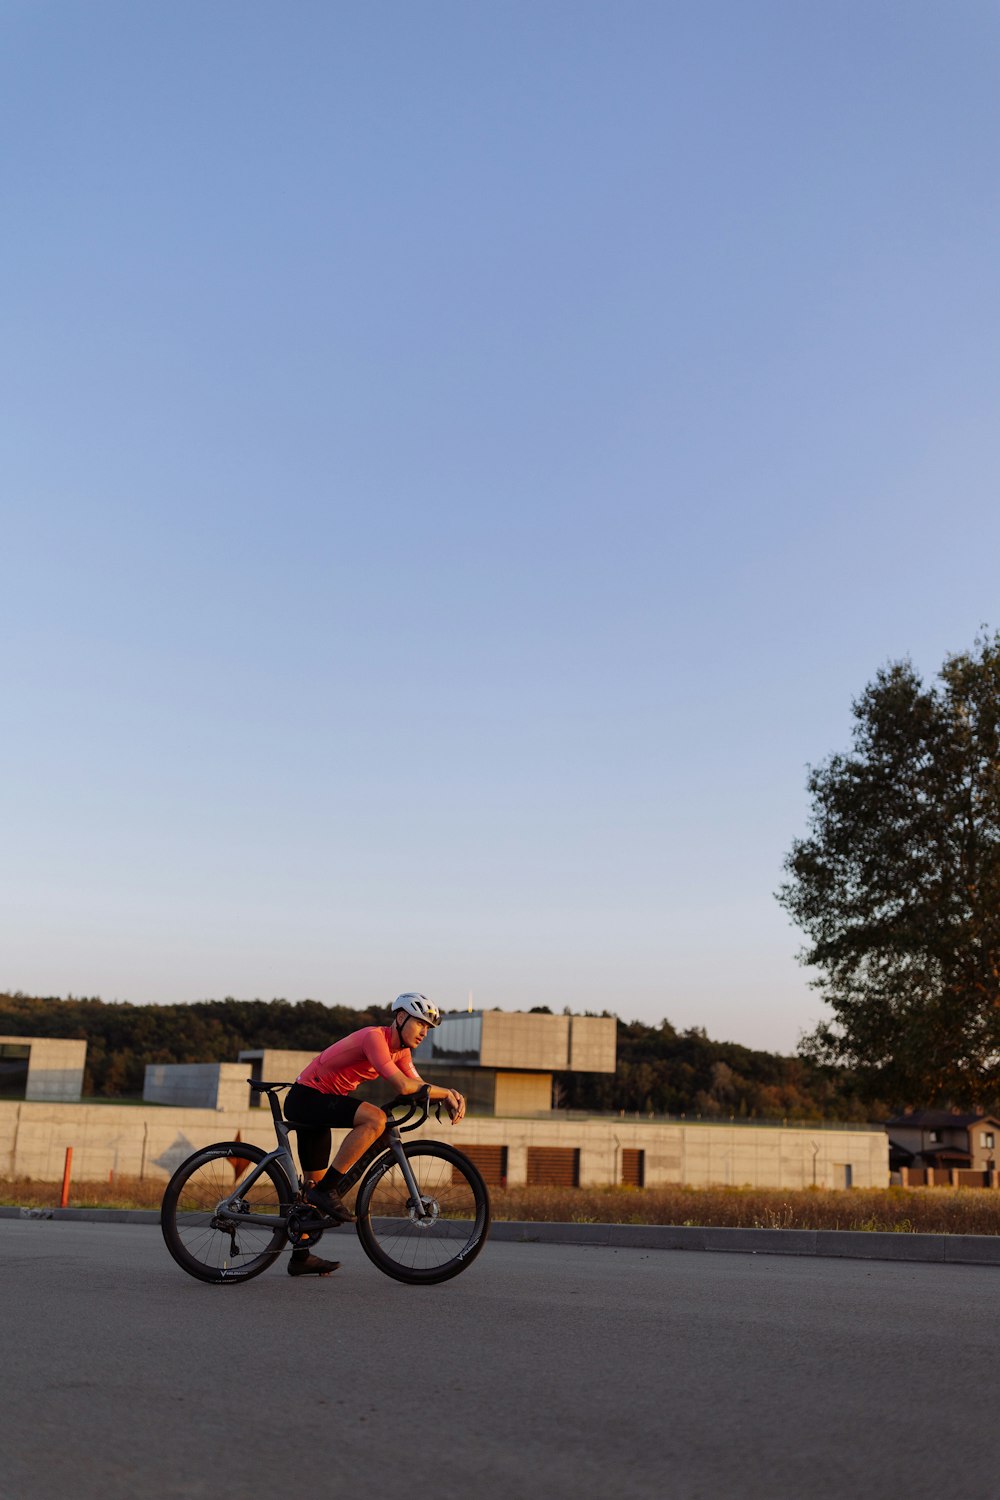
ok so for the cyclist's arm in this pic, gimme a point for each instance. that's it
(404, 1078)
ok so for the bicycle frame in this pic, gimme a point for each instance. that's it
(283, 1157)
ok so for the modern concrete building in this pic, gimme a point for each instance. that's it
(503, 1061)
(221, 1085)
(41, 1067)
(196, 1085)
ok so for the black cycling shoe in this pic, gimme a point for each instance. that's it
(311, 1265)
(331, 1204)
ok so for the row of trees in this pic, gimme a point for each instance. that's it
(659, 1070)
(664, 1071)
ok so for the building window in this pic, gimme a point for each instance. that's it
(553, 1166)
(633, 1167)
(934, 1136)
(491, 1161)
(14, 1060)
(986, 1139)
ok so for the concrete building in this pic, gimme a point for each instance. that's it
(221, 1085)
(41, 1067)
(197, 1085)
(507, 1061)
(503, 1061)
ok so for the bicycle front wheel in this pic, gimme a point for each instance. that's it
(223, 1248)
(447, 1237)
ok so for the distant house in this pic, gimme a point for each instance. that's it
(939, 1139)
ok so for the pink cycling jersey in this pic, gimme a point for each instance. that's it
(355, 1059)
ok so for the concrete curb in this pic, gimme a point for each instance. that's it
(89, 1215)
(955, 1249)
(952, 1249)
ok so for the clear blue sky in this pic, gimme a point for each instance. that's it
(459, 463)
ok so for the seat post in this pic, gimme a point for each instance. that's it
(280, 1126)
(281, 1131)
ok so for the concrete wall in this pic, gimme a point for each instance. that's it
(55, 1067)
(593, 1044)
(516, 1040)
(151, 1141)
(552, 1044)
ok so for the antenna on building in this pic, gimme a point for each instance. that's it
(470, 1002)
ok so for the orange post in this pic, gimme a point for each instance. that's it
(64, 1199)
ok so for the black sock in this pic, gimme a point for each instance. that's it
(331, 1182)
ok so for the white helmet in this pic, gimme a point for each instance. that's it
(419, 1006)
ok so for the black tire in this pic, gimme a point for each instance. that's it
(435, 1250)
(189, 1205)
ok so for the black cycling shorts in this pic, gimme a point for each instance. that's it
(318, 1112)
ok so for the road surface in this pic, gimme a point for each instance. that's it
(561, 1372)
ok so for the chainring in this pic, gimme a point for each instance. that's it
(305, 1224)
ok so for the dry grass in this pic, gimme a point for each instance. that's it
(123, 1192)
(900, 1210)
(903, 1210)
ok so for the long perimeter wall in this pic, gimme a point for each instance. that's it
(151, 1142)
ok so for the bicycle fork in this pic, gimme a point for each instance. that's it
(416, 1202)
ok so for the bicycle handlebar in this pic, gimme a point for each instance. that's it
(413, 1103)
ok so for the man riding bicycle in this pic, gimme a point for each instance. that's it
(321, 1097)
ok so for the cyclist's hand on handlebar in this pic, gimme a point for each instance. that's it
(455, 1105)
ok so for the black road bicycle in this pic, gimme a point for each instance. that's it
(423, 1212)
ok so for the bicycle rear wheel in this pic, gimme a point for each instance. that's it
(445, 1241)
(224, 1250)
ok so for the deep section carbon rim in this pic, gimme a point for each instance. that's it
(447, 1238)
(213, 1248)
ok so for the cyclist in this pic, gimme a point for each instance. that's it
(321, 1097)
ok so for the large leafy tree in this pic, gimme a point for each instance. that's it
(897, 886)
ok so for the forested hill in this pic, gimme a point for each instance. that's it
(660, 1070)
(122, 1038)
(664, 1071)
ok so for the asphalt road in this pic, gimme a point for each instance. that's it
(544, 1370)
